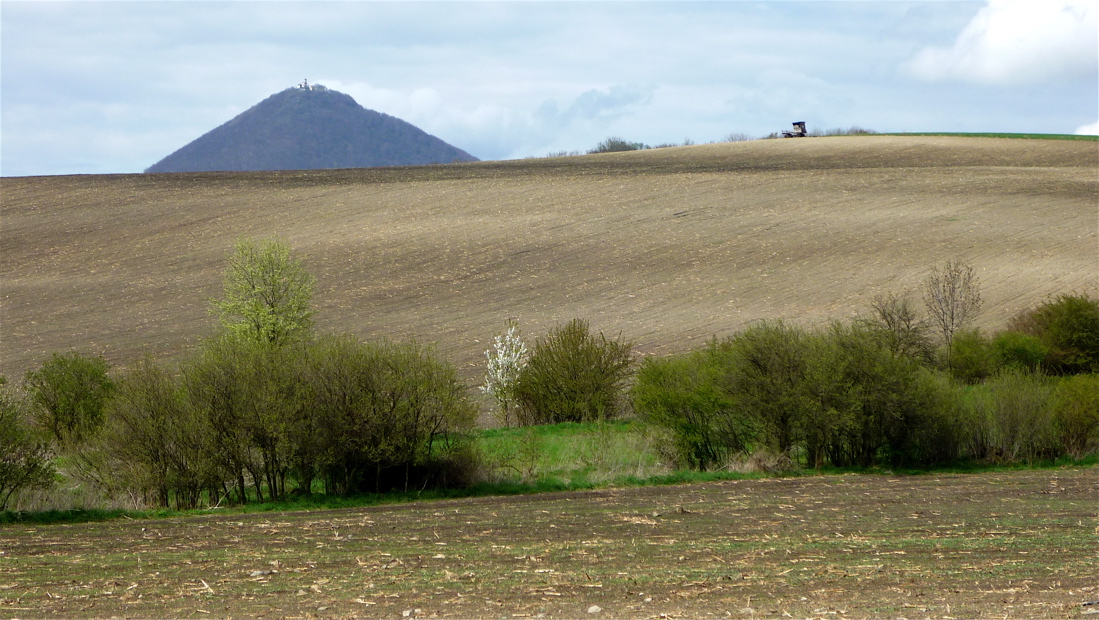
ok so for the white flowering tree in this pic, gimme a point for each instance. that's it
(506, 360)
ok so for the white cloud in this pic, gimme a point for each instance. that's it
(91, 87)
(1088, 130)
(502, 130)
(1018, 42)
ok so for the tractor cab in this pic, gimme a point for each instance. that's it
(797, 132)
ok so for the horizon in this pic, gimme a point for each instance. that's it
(100, 88)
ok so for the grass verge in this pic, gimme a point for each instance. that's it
(534, 460)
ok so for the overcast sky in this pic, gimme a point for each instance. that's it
(107, 87)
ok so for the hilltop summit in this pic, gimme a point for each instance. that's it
(309, 127)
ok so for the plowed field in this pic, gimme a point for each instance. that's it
(668, 247)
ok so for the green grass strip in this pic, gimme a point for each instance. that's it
(549, 484)
(1018, 136)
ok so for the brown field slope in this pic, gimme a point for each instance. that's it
(668, 247)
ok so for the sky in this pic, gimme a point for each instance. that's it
(96, 87)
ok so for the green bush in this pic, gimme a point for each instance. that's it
(972, 358)
(1019, 351)
(842, 396)
(1010, 418)
(1068, 325)
(68, 395)
(769, 362)
(238, 385)
(864, 402)
(385, 416)
(160, 446)
(573, 376)
(24, 456)
(689, 396)
(935, 434)
(1076, 414)
(250, 420)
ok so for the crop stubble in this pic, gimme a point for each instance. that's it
(1015, 544)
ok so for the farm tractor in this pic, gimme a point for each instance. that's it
(797, 132)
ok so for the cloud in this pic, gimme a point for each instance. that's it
(1088, 130)
(597, 104)
(90, 87)
(504, 129)
(1013, 42)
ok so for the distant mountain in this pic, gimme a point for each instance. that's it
(310, 127)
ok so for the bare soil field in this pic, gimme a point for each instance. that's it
(669, 247)
(1004, 545)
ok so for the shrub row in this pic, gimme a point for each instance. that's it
(245, 420)
(848, 396)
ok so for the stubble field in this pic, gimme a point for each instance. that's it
(669, 247)
(1004, 545)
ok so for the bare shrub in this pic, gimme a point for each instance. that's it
(738, 137)
(762, 461)
(615, 144)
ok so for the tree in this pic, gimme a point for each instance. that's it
(952, 298)
(69, 393)
(903, 331)
(506, 360)
(267, 293)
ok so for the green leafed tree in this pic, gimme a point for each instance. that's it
(267, 293)
(68, 395)
(1067, 326)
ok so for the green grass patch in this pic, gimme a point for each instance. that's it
(1018, 136)
(597, 452)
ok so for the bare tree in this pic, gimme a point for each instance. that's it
(904, 332)
(952, 298)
